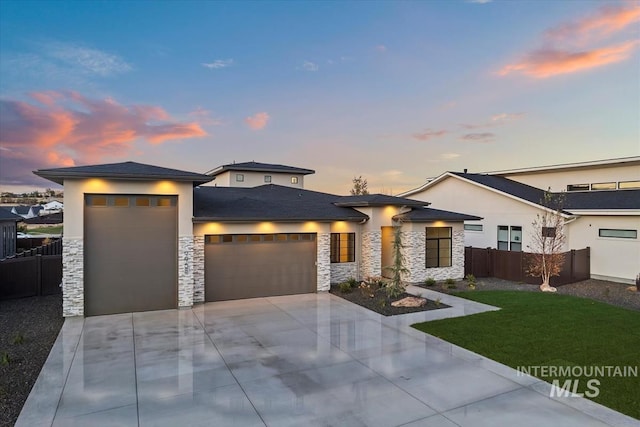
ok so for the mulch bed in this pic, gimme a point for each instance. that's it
(28, 329)
(381, 303)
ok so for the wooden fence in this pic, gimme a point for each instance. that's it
(510, 265)
(34, 272)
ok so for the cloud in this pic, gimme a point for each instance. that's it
(218, 64)
(545, 63)
(480, 1)
(604, 22)
(309, 66)
(205, 117)
(495, 120)
(90, 60)
(258, 121)
(478, 137)
(428, 134)
(65, 128)
(581, 45)
(449, 156)
(381, 48)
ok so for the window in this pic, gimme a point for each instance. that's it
(578, 187)
(510, 238)
(239, 177)
(438, 247)
(98, 201)
(628, 184)
(617, 233)
(473, 227)
(143, 201)
(343, 247)
(604, 186)
(267, 178)
(165, 202)
(121, 201)
(548, 232)
(294, 179)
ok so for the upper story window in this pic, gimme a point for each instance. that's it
(618, 233)
(578, 187)
(294, 179)
(628, 184)
(473, 227)
(267, 178)
(239, 177)
(603, 186)
(510, 238)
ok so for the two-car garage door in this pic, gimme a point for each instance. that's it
(130, 253)
(258, 265)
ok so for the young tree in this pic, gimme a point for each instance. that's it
(360, 186)
(547, 242)
(397, 286)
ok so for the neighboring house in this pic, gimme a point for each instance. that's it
(604, 214)
(27, 211)
(8, 233)
(51, 207)
(141, 237)
(252, 174)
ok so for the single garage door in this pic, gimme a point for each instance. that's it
(259, 265)
(130, 253)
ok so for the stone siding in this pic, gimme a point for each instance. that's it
(340, 272)
(415, 255)
(371, 254)
(198, 269)
(185, 271)
(324, 261)
(72, 277)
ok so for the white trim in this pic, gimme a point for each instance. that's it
(605, 162)
(616, 212)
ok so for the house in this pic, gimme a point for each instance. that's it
(9, 233)
(601, 209)
(141, 237)
(54, 206)
(27, 211)
(50, 220)
(252, 174)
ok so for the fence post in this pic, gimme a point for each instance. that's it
(573, 262)
(39, 274)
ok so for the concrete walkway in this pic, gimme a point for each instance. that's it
(311, 359)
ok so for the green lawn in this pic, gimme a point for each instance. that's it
(45, 230)
(539, 329)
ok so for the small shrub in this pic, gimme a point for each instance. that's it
(345, 287)
(419, 294)
(18, 339)
(452, 286)
(437, 301)
(5, 359)
(352, 282)
(382, 303)
(470, 278)
(430, 281)
(449, 281)
(471, 286)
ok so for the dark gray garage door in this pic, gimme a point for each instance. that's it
(130, 253)
(258, 265)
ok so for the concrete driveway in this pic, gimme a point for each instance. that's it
(299, 360)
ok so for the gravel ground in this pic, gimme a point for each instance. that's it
(28, 329)
(617, 294)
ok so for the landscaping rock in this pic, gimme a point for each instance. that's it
(409, 302)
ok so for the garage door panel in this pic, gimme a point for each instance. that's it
(258, 269)
(130, 258)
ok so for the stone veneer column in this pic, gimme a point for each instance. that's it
(371, 256)
(198, 269)
(72, 277)
(324, 261)
(185, 271)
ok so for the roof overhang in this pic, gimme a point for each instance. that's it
(197, 220)
(60, 176)
(600, 212)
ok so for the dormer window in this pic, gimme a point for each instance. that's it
(239, 177)
(294, 179)
(267, 179)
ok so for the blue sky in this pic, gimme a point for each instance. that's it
(393, 91)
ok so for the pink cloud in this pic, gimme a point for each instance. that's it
(479, 137)
(257, 121)
(580, 45)
(428, 134)
(545, 63)
(66, 128)
(607, 20)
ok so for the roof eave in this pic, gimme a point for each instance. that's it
(60, 177)
(281, 220)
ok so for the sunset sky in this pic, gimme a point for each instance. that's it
(393, 91)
